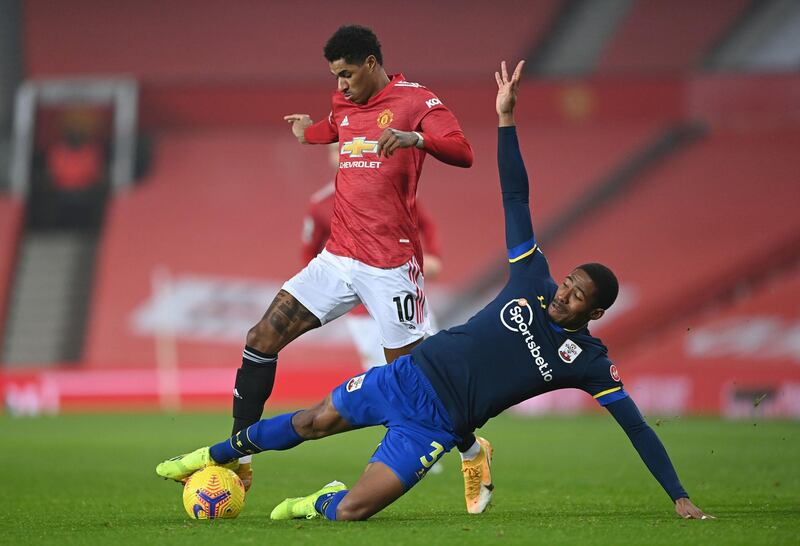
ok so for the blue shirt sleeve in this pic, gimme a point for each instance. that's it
(647, 444)
(523, 250)
(602, 381)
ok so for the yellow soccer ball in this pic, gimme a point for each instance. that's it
(213, 492)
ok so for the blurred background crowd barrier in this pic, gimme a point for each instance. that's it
(151, 197)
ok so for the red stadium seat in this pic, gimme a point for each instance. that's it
(563, 162)
(11, 213)
(740, 359)
(667, 35)
(223, 213)
(691, 229)
(240, 40)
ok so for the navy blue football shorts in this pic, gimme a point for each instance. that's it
(399, 397)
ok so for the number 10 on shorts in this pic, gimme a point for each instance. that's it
(405, 307)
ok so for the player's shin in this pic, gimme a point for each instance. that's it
(254, 381)
(275, 434)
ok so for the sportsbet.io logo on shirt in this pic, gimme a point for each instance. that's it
(517, 316)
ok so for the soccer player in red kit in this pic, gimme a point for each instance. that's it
(385, 127)
(316, 230)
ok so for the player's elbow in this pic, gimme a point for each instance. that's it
(470, 158)
(467, 158)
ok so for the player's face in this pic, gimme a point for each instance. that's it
(356, 82)
(573, 305)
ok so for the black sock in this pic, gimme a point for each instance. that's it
(468, 441)
(254, 381)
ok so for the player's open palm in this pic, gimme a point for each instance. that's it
(507, 87)
(687, 510)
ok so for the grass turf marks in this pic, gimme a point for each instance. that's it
(89, 479)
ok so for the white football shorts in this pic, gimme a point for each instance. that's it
(330, 286)
(367, 339)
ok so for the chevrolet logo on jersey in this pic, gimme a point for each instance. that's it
(360, 146)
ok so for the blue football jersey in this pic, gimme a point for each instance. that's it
(511, 350)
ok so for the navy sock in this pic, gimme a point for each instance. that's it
(326, 504)
(466, 442)
(275, 434)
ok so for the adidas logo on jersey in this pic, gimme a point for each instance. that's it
(345, 122)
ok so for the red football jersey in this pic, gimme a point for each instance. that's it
(317, 230)
(375, 216)
(317, 226)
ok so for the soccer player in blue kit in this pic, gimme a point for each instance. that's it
(531, 339)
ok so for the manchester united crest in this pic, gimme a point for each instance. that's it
(385, 118)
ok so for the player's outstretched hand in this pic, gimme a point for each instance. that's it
(687, 510)
(507, 89)
(392, 140)
(299, 123)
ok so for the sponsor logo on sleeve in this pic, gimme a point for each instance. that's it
(569, 351)
(430, 103)
(614, 373)
(355, 383)
(385, 118)
(517, 316)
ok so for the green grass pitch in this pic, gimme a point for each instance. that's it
(89, 479)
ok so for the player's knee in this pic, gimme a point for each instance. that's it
(351, 509)
(259, 338)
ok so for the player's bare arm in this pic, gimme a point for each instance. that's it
(299, 123)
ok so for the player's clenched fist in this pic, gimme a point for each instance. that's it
(299, 123)
(392, 139)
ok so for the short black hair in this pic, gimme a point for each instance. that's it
(354, 44)
(605, 283)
